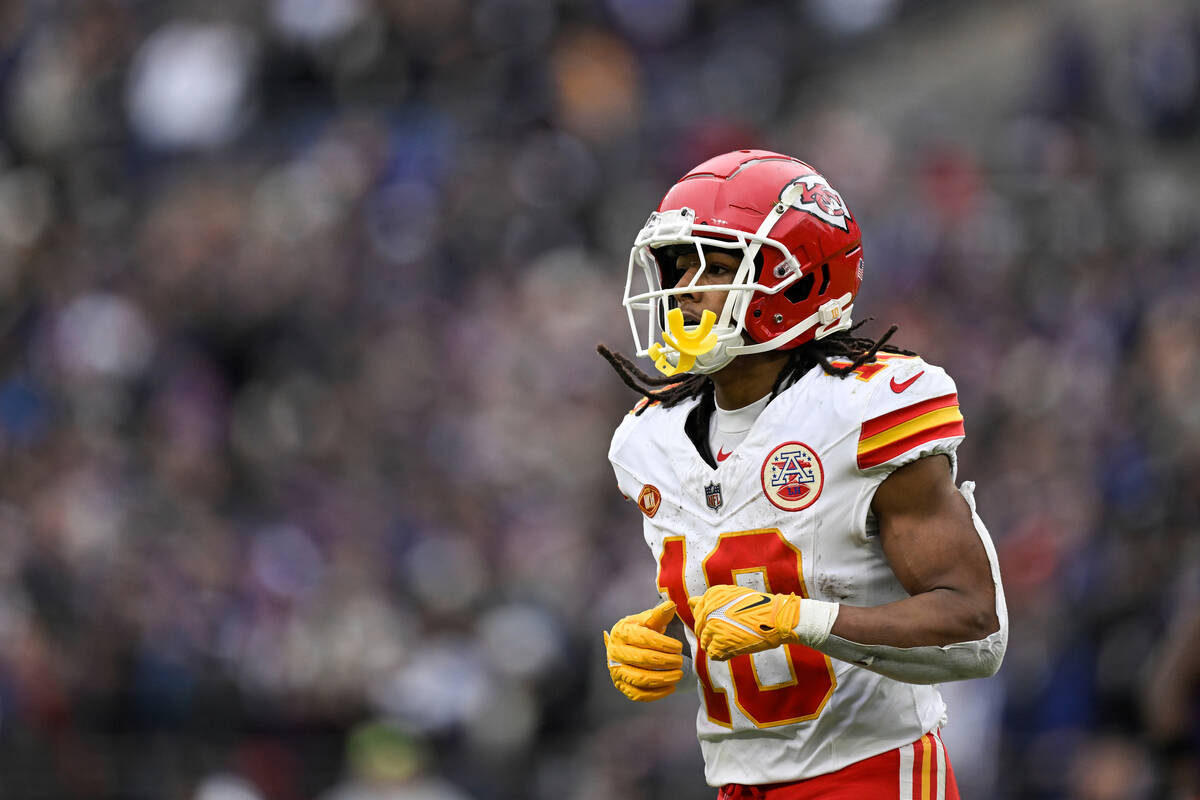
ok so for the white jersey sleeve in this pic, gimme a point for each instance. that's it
(911, 412)
(646, 496)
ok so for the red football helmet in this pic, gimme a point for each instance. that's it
(800, 270)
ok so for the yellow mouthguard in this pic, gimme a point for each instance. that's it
(688, 344)
(695, 343)
(664, 366)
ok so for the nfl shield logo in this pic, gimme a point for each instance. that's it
(712, 496)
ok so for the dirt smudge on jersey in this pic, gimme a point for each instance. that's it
(834, 588)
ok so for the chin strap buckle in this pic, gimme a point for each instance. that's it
(830, 312)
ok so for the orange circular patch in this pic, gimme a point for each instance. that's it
(649, 500)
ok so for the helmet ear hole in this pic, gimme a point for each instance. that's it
(799, 291)
(824, 279)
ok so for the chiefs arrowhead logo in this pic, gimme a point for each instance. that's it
(813, 194)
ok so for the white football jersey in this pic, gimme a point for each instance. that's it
(789, 511)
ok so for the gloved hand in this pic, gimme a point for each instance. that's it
(645, 663)
(734, 620)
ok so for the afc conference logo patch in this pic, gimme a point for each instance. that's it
(649, 500)
(792, 476)
(813, 194)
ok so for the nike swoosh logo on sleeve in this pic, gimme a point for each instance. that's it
(900, 387)
(722, 455)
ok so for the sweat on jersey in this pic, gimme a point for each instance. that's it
(790, 511)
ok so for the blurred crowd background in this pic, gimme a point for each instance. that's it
(303, 435)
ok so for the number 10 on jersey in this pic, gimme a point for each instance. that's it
(766, 552)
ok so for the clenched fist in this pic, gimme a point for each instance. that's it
(645, 663)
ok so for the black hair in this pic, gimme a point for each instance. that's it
(671, 391)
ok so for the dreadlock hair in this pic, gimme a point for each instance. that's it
(670, 391)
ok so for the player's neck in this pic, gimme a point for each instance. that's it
(747, 378)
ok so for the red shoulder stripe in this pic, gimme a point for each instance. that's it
(874, 458)
(894, 418)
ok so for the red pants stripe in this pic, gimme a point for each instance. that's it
(917, 771)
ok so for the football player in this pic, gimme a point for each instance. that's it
(797, 487)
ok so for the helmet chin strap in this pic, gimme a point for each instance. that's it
(831, 317)
(716, 360)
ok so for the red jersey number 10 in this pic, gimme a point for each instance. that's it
(764, 551)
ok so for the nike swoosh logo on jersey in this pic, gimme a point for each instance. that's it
(722, 455)
(756, 604)
(900, 387)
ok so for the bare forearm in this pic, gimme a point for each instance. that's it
(953, 625)
(937, 617)
(931, 637)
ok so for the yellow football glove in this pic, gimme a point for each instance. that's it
(733, 620)
(645, 663)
